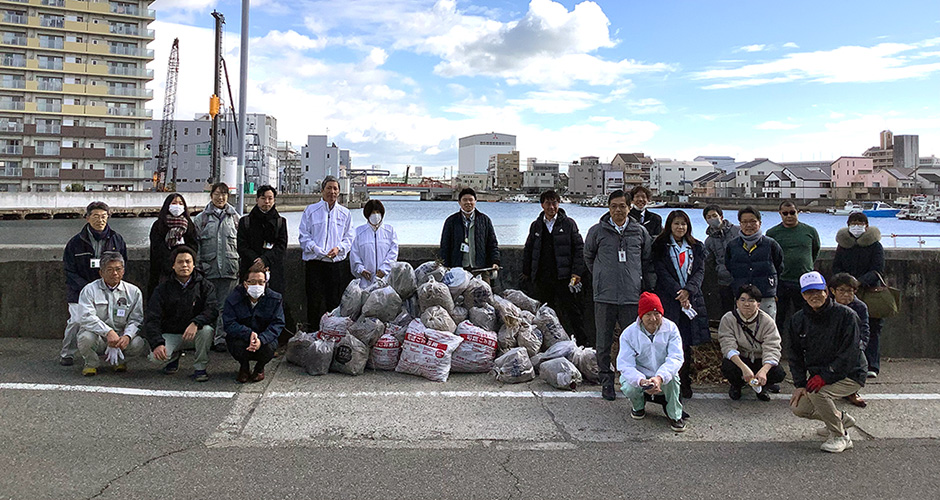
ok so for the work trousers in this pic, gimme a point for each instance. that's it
(670, 391)
(325, 283)
(70, 338)
(731, 372)
(91, 346)
(609, 321)
(566, 304)
(223, 287)
(873, 349)
(175, 345)
(238, 348)
(769, 306)
(821, 405)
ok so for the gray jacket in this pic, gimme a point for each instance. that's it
(715, 245)
(218, 242)
(618, 282)
(103, 309)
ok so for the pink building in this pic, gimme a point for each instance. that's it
(851, 171)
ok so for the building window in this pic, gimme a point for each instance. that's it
(198, 131)
(185, 130)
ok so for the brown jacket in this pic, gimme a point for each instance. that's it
(765, 344)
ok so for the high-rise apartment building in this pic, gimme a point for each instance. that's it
(73, 78)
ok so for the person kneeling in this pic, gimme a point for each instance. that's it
(649, 361)
(750, 346)
(253, 317)
(111, 313)
(824, 343)
(181, 315)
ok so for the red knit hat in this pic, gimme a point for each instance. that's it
(649, 302)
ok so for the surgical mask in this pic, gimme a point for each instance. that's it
(714, 222)
(638, 209)
(468, 214)
(255, 291)
(857, 230)
(375, 219)
(176, 210)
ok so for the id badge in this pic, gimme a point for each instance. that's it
(268, 246)
(95, 263)
(464, 248)
(121, 312)
(622, 255)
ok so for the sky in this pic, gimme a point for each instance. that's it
(399, 82)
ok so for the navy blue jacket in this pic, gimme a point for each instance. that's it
(667, 286)
(266, 319)
(77, 259)
(486, 248)
(759, 267)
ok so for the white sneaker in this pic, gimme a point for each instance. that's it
(847, 422)
(872, 374)
(837, 444)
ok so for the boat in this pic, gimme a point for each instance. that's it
(912, 207)
(518, 198)
(656, 204)
(879, 209)
(850, 207)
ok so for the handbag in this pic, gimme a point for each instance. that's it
(882, 300)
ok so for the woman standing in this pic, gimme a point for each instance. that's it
(375, 247)
(860, 254)
(172, 228)
(217, 226)
(679, 260)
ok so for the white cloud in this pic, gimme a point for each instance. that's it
(776, 125)
(751, 48)
(290, 39)
(791, 45)
(646, 106)
(557, 102)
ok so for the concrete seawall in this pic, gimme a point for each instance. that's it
(32, 291)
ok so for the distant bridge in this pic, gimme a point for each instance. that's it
(427, 191)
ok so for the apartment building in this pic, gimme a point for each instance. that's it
(503, 171)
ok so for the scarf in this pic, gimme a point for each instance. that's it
(681, 254)
(177, 228)
(98, 238)
(750, 241)
(263, 226)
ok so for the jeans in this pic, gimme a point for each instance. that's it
(175, 345)
(670, 391)
(610, 320)
(324, 283)
(91, 346)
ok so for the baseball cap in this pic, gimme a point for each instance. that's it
(812, 281)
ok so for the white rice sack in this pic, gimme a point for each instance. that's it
(459, 314)
(560, 374)
(367, 330)
(430, 269)
(383, 303)
(333, 328)
(585, 360)
(428, 354)
(351, 304)
(350, 356)
(484, 317)
(402, 279)
(529, 337)
(436, 318)
(521, 300)
(433, 293)
(513, 367)
(477, 351)
(560, 350)
(387, 350)
(477, 294)
(457, 280)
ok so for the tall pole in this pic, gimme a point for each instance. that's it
(216, 163)
(242, 107)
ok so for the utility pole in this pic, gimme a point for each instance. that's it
(242, 108)
(214, 108)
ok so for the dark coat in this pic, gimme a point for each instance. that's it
(160, 266)
(863, 258)
(825, 343)
(864, 330)
(693, 332)
(266, 319)
(569, 247)
(77, 259)
(255, 231)
(486, 248)
(760, 267)
(172, 308)
(653, 222)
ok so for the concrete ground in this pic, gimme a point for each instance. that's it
(146, 435)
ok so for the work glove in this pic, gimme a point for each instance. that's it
(815, 384)
(114, 356)
(575, 288)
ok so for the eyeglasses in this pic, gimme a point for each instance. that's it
(114, 270)
(791, 212)
(844, 290)
(749, 222)
(256, 282)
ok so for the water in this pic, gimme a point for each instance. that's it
(420, 222)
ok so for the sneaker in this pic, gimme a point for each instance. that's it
(120, 368)
(200, 376)
(89, 371)
(220, 347)
(638, 414)
(172, 367)
(774, 388)
(763, 395)
(66, 361)
(608, 393)
(734, 392)
(848, 421)
(872, 374)
(677, 425)
(837, 444)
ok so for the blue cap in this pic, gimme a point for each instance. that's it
(812, 281)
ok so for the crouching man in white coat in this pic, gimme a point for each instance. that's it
(649, 362)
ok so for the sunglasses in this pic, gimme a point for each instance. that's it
(791, 212)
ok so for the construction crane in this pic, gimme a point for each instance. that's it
(167, 146)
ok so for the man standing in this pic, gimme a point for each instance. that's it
(553, 261)
(82, 260)
(653, 223)
(111, 312)
(254, 319)
(468, 239)
(617, 253)
(720, 232)
(754, 259)
(182, 314)
(326, 237)
(262, 238)
(800, 245)
(217, 227)
(649, 361)
(826, 361)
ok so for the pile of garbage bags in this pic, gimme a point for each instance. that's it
(432, 321)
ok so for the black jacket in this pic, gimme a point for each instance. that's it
(760, 267)
(569, 247)
(667, 286)
(863, 258)
(160, 266)
(77, 259)
(257, 230)
(172, 308)
(652, 222)
(266, 318)
(825, 343)
(486, 248)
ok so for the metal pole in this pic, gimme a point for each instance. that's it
(242, 107)
(216, 159)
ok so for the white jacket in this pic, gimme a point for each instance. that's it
(321, 229)
(640, 358)
(103, 309)
(371, 247)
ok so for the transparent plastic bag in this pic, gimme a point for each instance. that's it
(560, 374)
(513, 367)
(402, 279)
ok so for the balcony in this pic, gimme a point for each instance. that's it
(51, 43)
(8, 126)
(50, 86)
(130, 92)
(42, 128)
(47, 172)
(121, 29)
(53, 64)
(11, 150)
(48, 150)
(53, 3)
(128, 10)
(52, 22)
(12, 105)
(130, 51)
(11, 171)
(129, 132)
(13, 84)
(126, 71)
(15, 18)
(120, 173)
(47, 107)
(16, 61)
(126, 153)
(140, 113)
(14, 40)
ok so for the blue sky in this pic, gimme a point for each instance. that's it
(674, 79)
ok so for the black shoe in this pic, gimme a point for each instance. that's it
(638, 414)
(774, 388)
(66, 361)
(685, 392)
(734, 392)
(220, 347)
(763, 395)
(677, 425)
(172, 367)
(608, 392)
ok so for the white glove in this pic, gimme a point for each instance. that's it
(114, 356)
(689, 312)
(575, 288)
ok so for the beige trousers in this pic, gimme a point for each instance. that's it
(821, 405)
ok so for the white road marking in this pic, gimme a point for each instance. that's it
(127, 391)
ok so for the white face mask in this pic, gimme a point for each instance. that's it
(255, 291)
(857, 230)
(375, 219)
(176, 210)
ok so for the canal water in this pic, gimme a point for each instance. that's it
(420, 222)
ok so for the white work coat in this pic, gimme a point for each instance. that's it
(103, 309)
(373, 250)
(641, 358)
(321, 229)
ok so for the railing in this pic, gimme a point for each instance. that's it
(52, 22)
(125, 71)
(128, 132)
(47, 172)
(130, 91)
(145, 113)
(52, 86)
(53, 3)
(130, 10)
(13, 105)
(129, 51)
(120, 29)
(48, 150)
(15, 18)
(126, 153)
(11, 150)
(48, 129)
(54, 43)
(55, 64)
(122, 174)
(13, 84)
(17, 62)
(8, 126)
(14, 40)
(11, 172)
(49, 107)
(920, 238)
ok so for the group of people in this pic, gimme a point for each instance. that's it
(216, 282)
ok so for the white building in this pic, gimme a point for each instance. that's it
(476, 182)
(475, 151)
(539, 177)
(749, 177)
(722, 162)
(586, 178)
(613, 180)
(319, 159)
(797, 182)
(677, 176)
